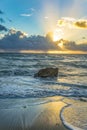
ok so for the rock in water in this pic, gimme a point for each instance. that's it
(47, 72)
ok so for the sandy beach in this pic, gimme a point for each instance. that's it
(37, 114)
(26, 114)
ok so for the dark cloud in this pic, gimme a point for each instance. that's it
(83, 37)
(2, 20)
(71, 45)
(17, 41)
(3, 28)
(1, 12)
(81, 23)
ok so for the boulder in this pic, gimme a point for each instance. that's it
(47, 72)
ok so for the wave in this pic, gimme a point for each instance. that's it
(66, 124)
(63, 83)
(39, 93)
(74, 64)
(15, 72)
(24, 87)
(70, 120)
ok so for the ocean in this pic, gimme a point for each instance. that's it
(20, 90)
(17, 75)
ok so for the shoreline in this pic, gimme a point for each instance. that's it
(35, 114)
(27, 114)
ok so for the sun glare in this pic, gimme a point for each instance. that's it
(61, 44)
(57, 35)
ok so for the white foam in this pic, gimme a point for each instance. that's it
(66, 124)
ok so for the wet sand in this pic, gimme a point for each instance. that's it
(49, 119)
(43, 115)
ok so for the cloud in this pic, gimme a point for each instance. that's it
(76, 47)
(72, 23)
(46, 17)
(65, 21)
(73, 46)
(1, 35)
(1, 12)
(2, 20)
(17, 40)
(26, 15)
(3, 28)
(17, 32)
(81, 24)
(31, 11)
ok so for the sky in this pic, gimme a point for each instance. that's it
(57, 19)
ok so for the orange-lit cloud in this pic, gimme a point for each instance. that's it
(72, 23)
(71, 45)
(81, 24)
(16, 40)
(65, 21)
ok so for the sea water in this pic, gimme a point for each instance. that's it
(17, 76)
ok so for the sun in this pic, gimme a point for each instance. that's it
(60, 44)
(56, 37)
(57, 34)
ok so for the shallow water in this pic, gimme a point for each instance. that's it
(74, 115)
